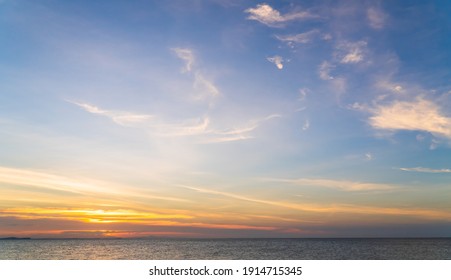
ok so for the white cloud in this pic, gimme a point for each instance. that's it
(188, 127)
(390, 86)
(306, 125)
(187, 56)
(339, 84)
(303, 92)
(277, 60)
(376, 18)
(301, 38)
(434, 144)
(368, 156)
(205, 87)
(238, 133)
(351, 52)
(199, 127)
(324, 70)
(119, 117)
(344, 185)
(425, 170)
(271, 17)
(417, 115)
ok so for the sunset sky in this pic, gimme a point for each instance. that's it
(225, 118)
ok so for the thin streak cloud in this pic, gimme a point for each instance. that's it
(336, 208)
(119, 117)
(343, 185)
(425, 170)
(301, 38)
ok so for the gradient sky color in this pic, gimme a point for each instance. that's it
(225, 118)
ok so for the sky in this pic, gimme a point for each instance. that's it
(215, 118)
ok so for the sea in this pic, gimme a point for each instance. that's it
(228, 249)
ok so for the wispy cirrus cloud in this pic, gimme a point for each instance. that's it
(122, 118)
(301, 38)
(68, 186)
(306, 125)
(335, 208)
(238, 133)
(351, 52)
(425, 170)
(324, 70)
(200, 127)
(205, 89)
(277, 60)
(186, 55)
(269, 16)
(417, 115)
(376, 17)
(344, 185)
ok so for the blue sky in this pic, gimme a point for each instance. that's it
(225, 118)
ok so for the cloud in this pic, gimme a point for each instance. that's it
(301, 38)
(239, 133)
(277, 60)
(344, 185)
(119, 117)
(417, 115)
(273, 18)
(190, 127)
(390, 86)
(306, 125)
(200, 127)
(324, 70)
(337, 208)
(303, 92)
(205, 89)
(425, 170)
(351, 52)
(187, 56)
(376, 18)
(71, 189)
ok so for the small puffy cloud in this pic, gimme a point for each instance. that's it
(425, 170)
(376, 18)
(301, 38)
(368, 156)
(417, 115)
(390, 86)
(324, 70)
(187, 56)
(277, 60)
(271, 17)
(351, 52)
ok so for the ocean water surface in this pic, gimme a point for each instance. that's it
(244, 249)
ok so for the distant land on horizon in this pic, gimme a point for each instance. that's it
(14, 238)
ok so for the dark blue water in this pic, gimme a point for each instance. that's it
(252, 249)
